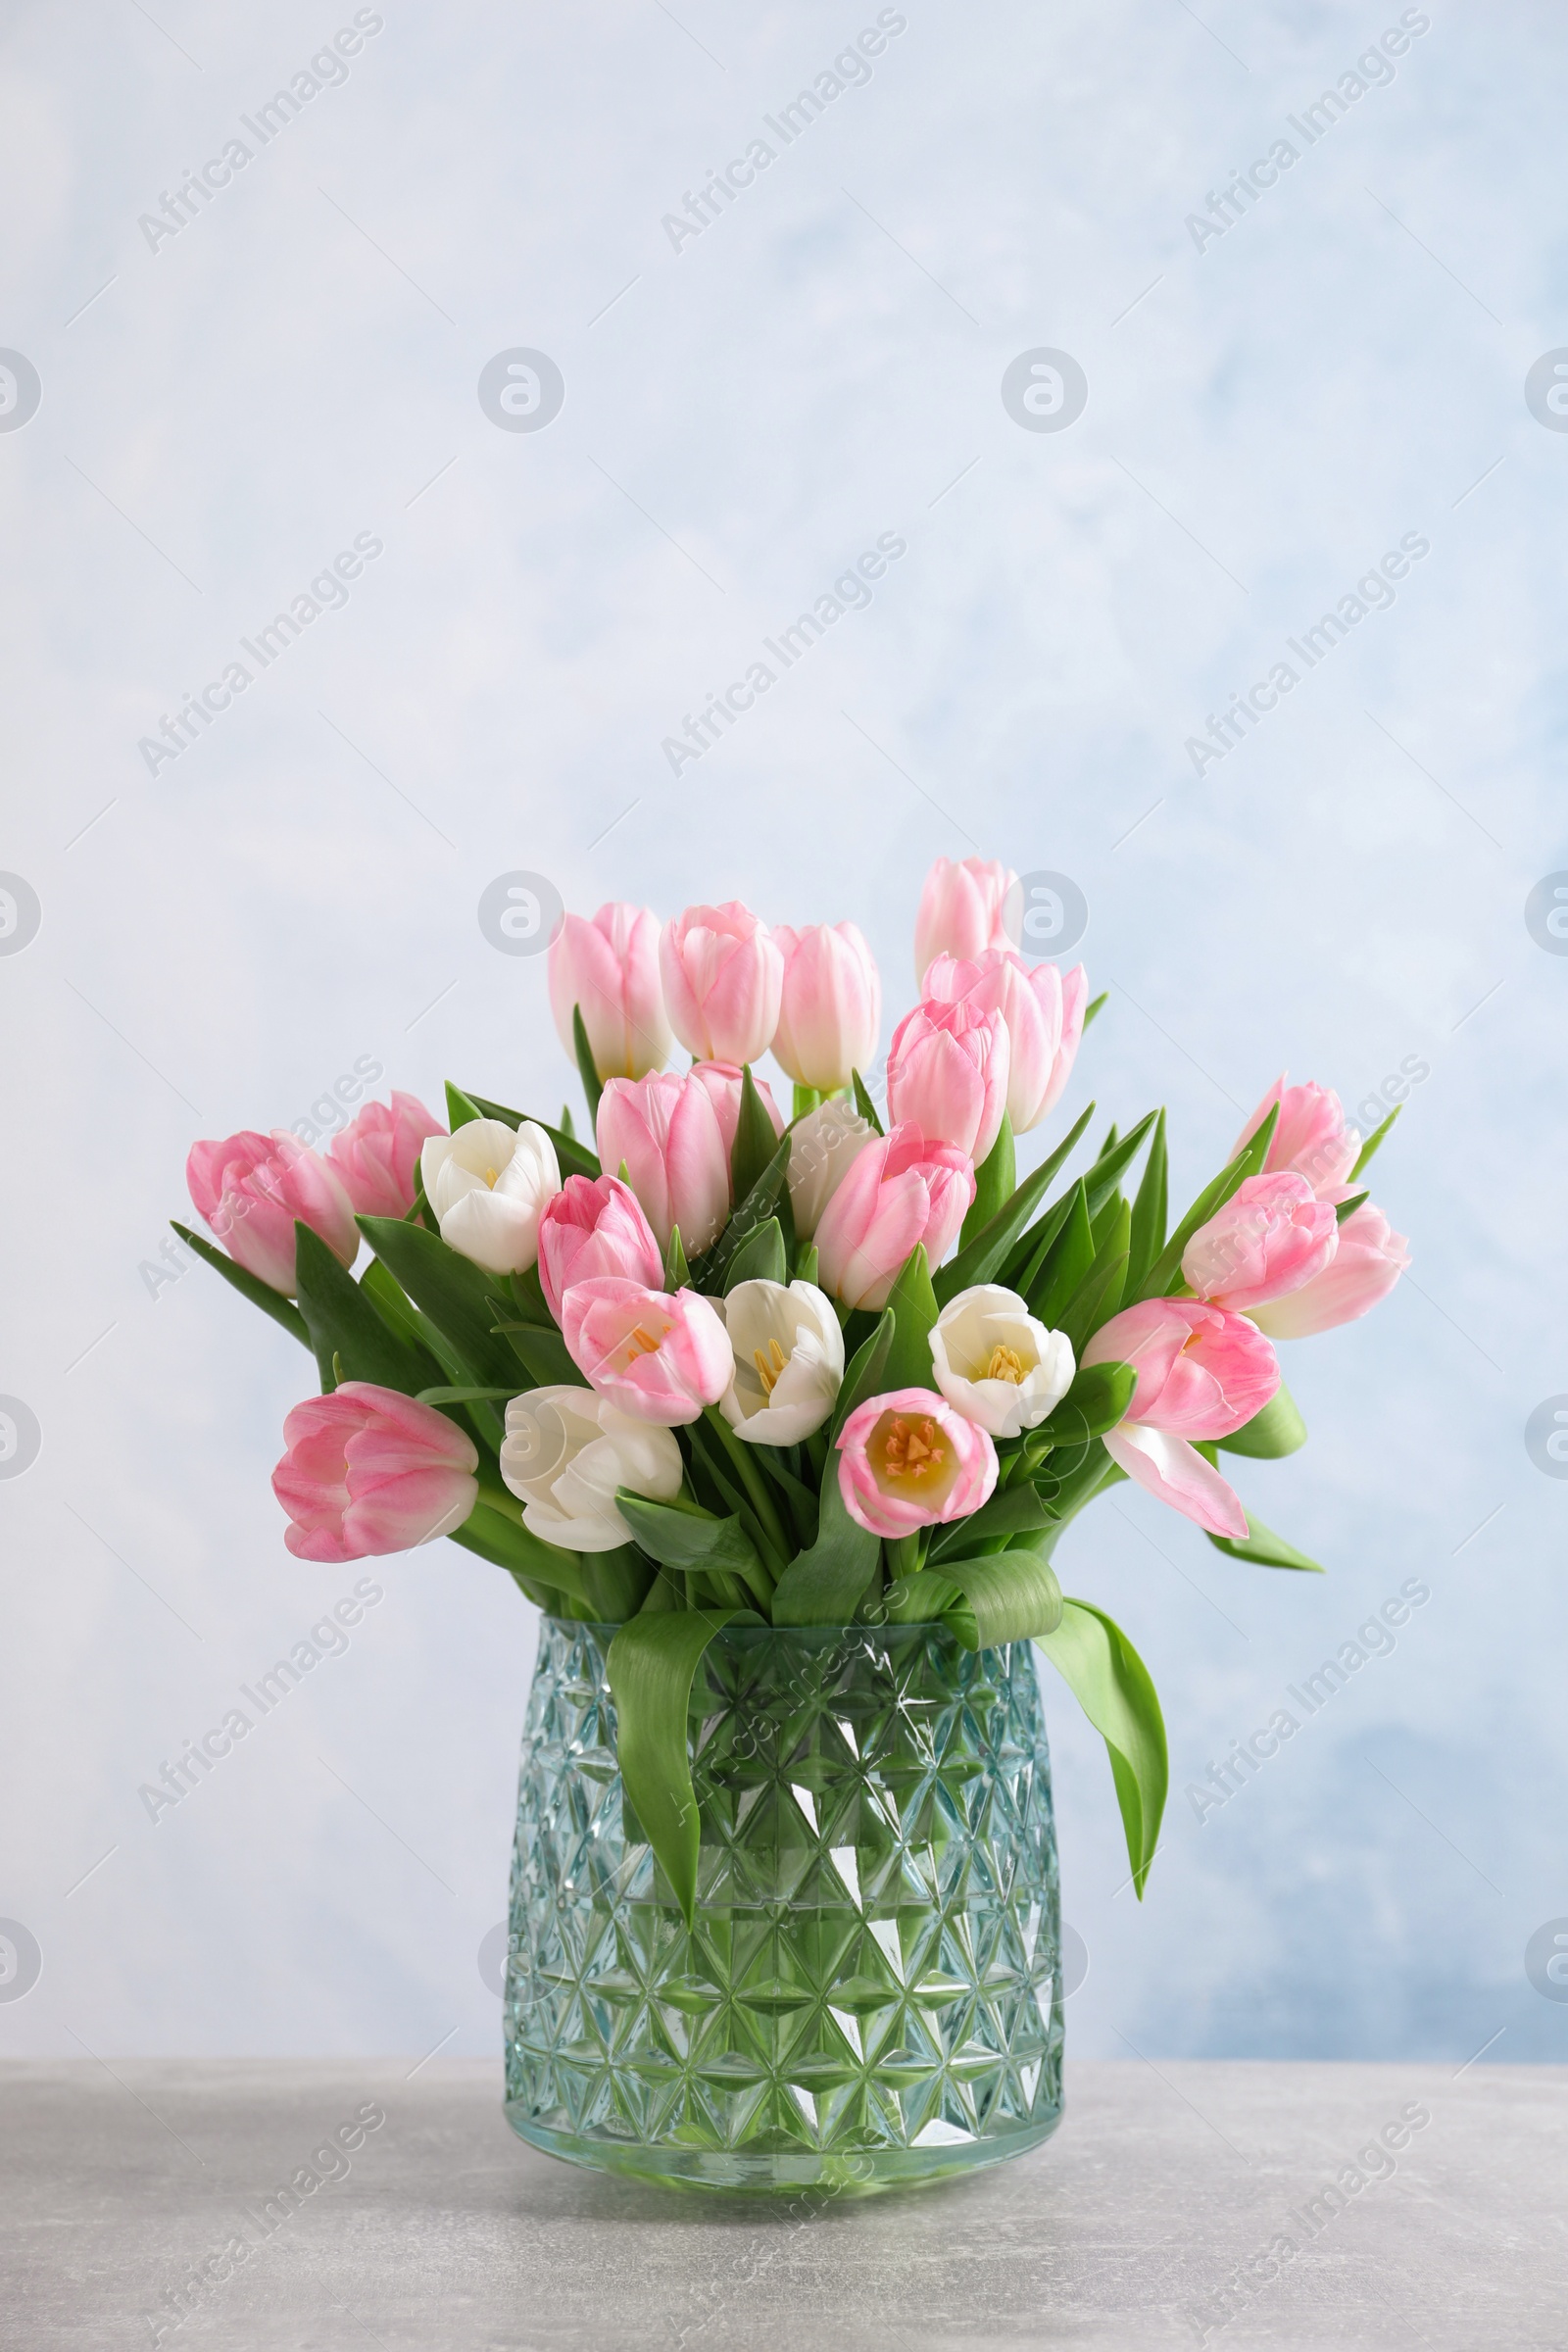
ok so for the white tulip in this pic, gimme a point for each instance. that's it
(996, 1363)
(823, 1146)
(789, 1360)
(487, 1186)
(564, 1453)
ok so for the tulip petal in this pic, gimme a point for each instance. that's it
(1177, 1474)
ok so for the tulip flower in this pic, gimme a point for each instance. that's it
(1310, 1137)
(658, 1356)
(996, 1363)
(1272, 1236)
(789, 1360)
(721, 1082)
(823, 1146)
(369, 1470)
(908, 1461)
(375, 1157)
(1368, 1263)
(961, 909)
(666, 1134)
(564, 1453)
(900, 1190)
(723, 974)
(947, 1071)
(595, 1227)
(1201, 1373)
(610, 970)
(252, 1188)
(487, 1186)
(1043, 1010)
(830, 1008)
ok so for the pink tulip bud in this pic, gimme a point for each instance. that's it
(1368, 1263)
(721, 1082)
(723, 974)
(898, 1191)
(961, 908)
(908, 1461)
(367, 1470)
(593, 1228)
(666, 1132)
(1272, 1236)
(655, 1356)
(947, 1071)
(252, 1188)
(831, 1006)
(376, 1156)
(1043, 1010)
(1200, 1372)
(609, 967)
(1311, 1138)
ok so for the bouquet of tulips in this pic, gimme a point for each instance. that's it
(723, 1368)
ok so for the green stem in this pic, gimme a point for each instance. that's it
(756, 1486)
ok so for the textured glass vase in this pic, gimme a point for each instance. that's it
(870, 1994)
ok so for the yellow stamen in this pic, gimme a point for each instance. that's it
(642, 1342)
(490, 1176)
(914, 1448)
(1006, 1364)
(769, 1368)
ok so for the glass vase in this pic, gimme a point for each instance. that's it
(870, 1994)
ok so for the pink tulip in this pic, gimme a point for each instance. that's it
(609, 967)
(1177, 1474)
(908, 1461)
(723, 974)
(831, 1006)
(1311, 1138)
(377, 1158)
(1368, 1263)
(898, 1191)
(666, 1133)
(1202, 1372)
(369, 1470)
(947, 1071)
(655, 1356)
(961, 910)
(593, 1228)
(1043, 1010)
(252, 1188)
(721, 1082)
(1272, 1236)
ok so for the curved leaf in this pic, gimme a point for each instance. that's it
(826, 1585)
(760, 1259)
(1012, 1512)
(1010, 1597)
(980, 1259)
(453, 1292)
(996, 1180)
(351, 1340)
(755, 1140)
(1262, 1544)
(1111, 1684)
(587, 1070)
(1278, 1428)
(689, 1538)
(913, 1305)
(249, 1286)
(651, 1663)
(1097, 1401)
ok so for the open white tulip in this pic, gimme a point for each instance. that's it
(789, 1360)
(996, 1363)
(488, 1187)
(564, 1453)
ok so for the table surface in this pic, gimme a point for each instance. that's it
(1179, 2204)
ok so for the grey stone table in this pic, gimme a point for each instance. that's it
(1235, 2204)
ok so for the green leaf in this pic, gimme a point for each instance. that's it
(543, 1354)
(806, 1265)
(592, 1084)
(826, 1585)
(765, 1199)
(1111, 1683)
(1262, 1544)
(453, 1292)
(865, 1374)
(863, 1103)
(1099, 1295)
(462, 1396)
(249, 1286)
(677, 1273)
(1094, 1005)
(1097, 1401)
(913, 1303)
(575, 1159)
(616, 1583)
(385, 1292)
(755, 1140)
(460, 1108)
(985, 1254)
(1348, 1208)
(1114, 1160)
(1150, 1209)
(996, 1180)
(1011, 1596)
(1373, 1141)
(567, 1128)
(1012, 1512)
(1165, 1274)
(508, 1542)
(760, 1259)
(652, 1661)
(1278, 1428)
(351, 1340)
(1026, 1267)
(689, 1539)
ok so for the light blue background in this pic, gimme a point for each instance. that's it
(1345, 891)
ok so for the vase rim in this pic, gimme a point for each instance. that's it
(912, 1625)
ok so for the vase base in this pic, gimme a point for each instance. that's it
(847, 2171)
